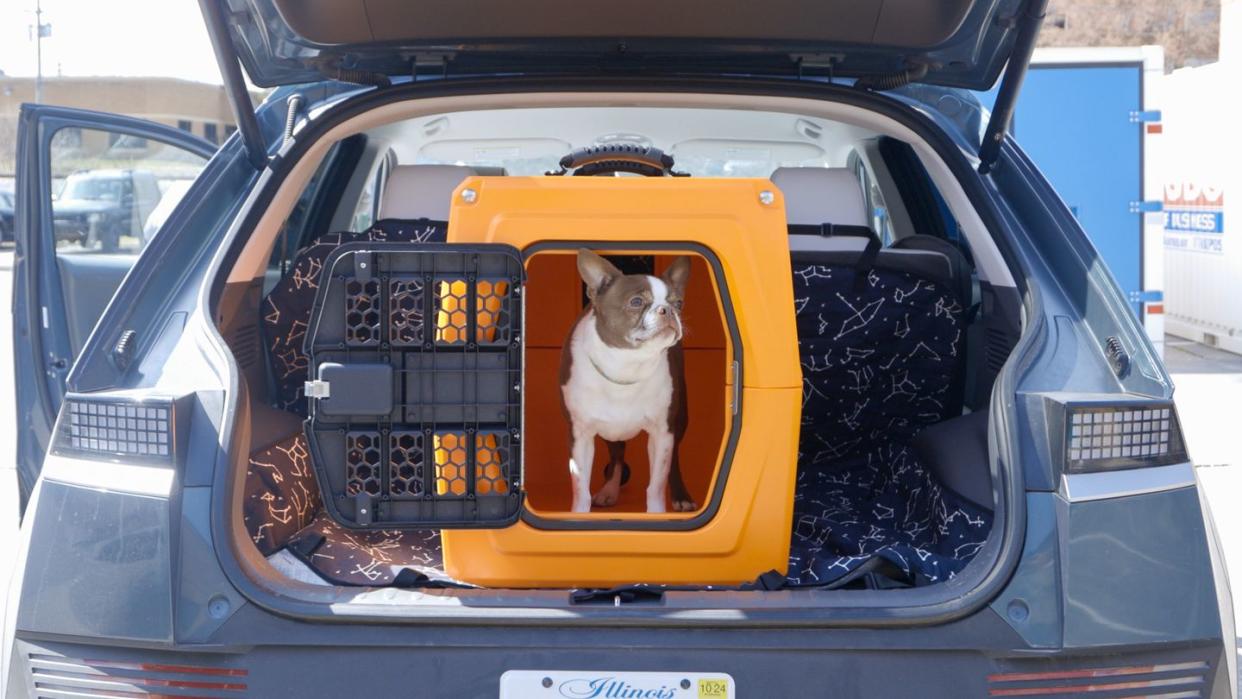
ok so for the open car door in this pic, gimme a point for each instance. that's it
(92, 190)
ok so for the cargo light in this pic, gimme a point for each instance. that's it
(129, 428)
(1120, 435)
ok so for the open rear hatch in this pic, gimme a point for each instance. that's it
(884, 44)
(962, 43)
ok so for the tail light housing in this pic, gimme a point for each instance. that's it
(124, 427)
(1116, 434)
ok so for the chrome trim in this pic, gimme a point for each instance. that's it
(1080, 487)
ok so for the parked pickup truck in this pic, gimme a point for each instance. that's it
(104, 205)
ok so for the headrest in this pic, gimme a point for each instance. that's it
(815, 195)
(421, 191)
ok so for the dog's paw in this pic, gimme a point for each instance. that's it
(607, 495)
(684, 506)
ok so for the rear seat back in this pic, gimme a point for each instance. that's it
(882, 355)
(414, 208)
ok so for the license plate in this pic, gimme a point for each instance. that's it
(562, 684)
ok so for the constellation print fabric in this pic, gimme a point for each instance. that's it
(281, 493)
(880, 361)
(287, 308)
(367, 558)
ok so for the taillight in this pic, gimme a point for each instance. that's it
(126, 427)
(1112, 435)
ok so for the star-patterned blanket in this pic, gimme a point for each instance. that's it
(881, 359)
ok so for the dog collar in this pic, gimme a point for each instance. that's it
(605, 374)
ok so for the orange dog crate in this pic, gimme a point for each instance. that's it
(743, 381)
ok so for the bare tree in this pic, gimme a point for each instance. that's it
(1189, 30)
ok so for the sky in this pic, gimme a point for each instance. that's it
(114, 37)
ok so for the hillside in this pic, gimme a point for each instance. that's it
(1189, 30)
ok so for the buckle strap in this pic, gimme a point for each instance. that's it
(862, 268)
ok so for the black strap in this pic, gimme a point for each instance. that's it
(877, 572)
(771, 580)
(306, 545)
(862, 267)
(410, 579)
(623, 594)
(829, 230)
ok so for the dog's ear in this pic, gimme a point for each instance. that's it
(677, 275)
(597, 272)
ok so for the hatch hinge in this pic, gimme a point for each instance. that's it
(332, 67)
(234, 83)
(1145, 117)
(430, 64)
(817, 62)
(1151, 206)
(1027, 25)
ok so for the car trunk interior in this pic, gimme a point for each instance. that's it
(897, 349)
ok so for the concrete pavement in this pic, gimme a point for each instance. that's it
(1208, 393)
(8, 421)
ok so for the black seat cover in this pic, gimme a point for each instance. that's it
(961, 269)
(882, 358)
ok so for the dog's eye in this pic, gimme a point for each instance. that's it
(677, 304)
(636, 302)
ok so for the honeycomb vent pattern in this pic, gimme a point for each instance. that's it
(405, 313)
(362, 463)
(491, 463)
(493, 320)
(405, 464)
(362, 313)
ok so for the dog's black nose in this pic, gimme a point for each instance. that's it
(662, 310)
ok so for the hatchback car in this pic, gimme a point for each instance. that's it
(313, 443)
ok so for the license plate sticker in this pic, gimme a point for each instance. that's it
(562, 684)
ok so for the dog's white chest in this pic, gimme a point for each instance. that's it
(616, 393)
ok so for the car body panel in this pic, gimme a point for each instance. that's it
(1031, 603)
(964, 43)
(102, 565)
(1156, 543)
(469, 663)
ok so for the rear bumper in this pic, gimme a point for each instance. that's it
(430, 665)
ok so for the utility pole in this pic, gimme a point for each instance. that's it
(41, 30)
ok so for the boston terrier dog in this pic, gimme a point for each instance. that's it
(623, 372)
